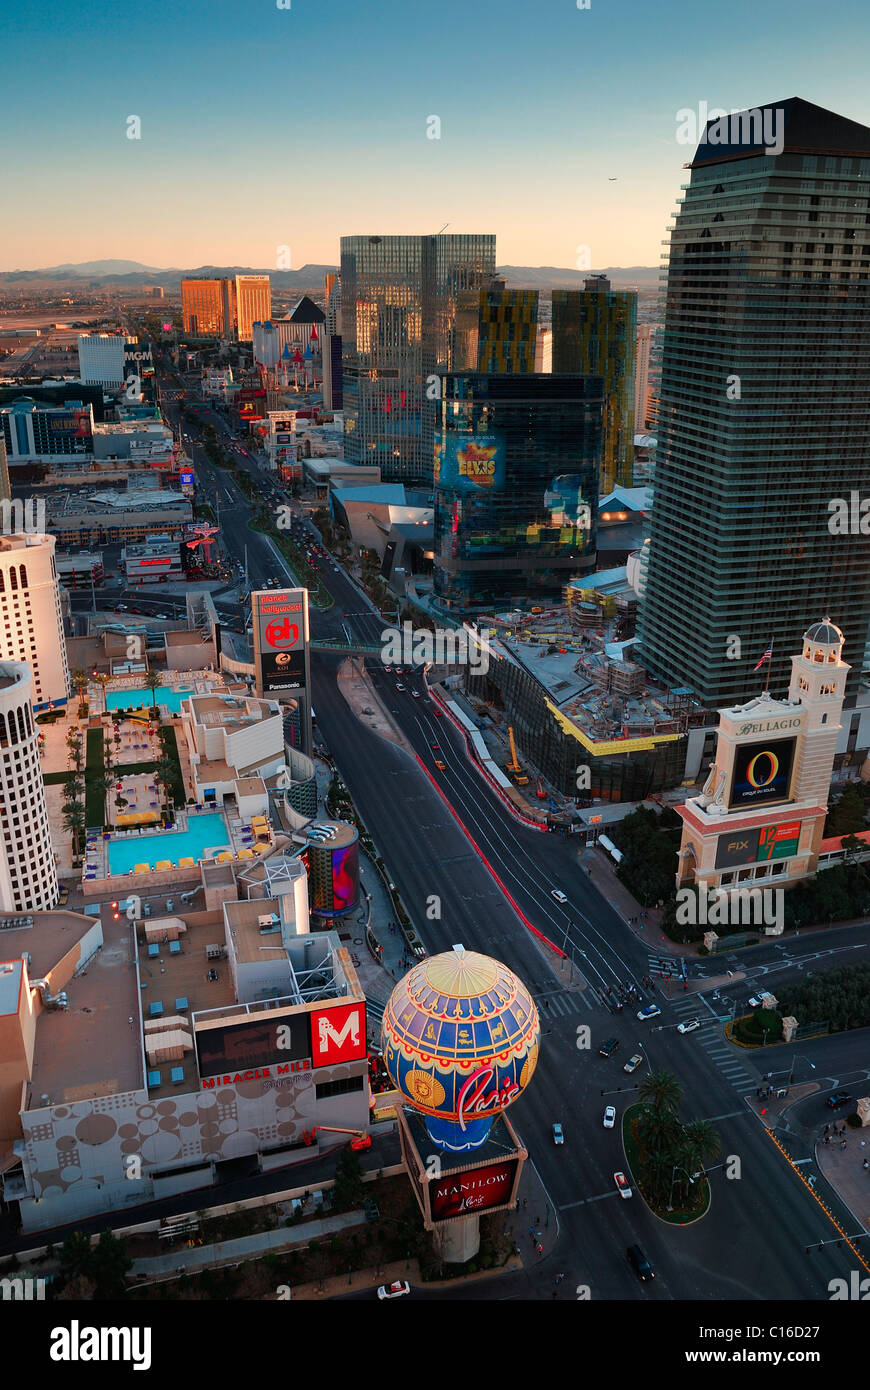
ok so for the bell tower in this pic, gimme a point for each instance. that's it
(818, 683)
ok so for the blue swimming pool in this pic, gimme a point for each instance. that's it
(141, 699)
(207, 831)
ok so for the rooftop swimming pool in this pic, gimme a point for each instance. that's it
(141, 699)
(206, 831)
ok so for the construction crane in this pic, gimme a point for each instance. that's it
(513, 766)
(361, 1139)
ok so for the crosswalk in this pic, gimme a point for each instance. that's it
(562, 1003)
(711, 1037)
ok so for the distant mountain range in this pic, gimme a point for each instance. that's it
(134, 274)
(547, 277)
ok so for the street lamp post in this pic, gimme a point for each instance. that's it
(678, 1169)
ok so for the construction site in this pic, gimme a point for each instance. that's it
(564, 688)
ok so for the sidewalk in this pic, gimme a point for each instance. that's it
(844, 1170)
(602, 873)
(375, 910)
(535, 1223)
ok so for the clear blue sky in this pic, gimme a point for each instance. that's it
(264, 127)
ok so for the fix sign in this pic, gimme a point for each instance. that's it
(338, 1035)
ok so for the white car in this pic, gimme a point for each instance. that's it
(622, 1186)
(633, 1062)
(399, 685)
(755, 1001)
(651, 1011)
(396, 1290)
(558, 1136)
(416, 694)
(610, 1117)
(558, 895)
(689, 1026)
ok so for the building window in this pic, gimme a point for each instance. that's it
(338, 1088)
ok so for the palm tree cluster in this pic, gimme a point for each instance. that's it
(673, 1154)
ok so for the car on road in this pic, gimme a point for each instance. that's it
(558, 895)
(651, 1011)
(436, 711)
(622, 1184)
(608, 1048)
(689, 1026)
(633, 1062)
(442, 767)
(399, 685)
(558, 1136)
(838, 1099)
(754, 1002)
(609, 1116)
(639, 1263)
(395, 1290)
(416, 694)
(389, 670)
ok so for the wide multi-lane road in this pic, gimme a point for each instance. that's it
(751, 1244)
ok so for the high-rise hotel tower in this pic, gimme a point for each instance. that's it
(764, 417)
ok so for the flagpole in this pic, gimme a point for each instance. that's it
(769, 664)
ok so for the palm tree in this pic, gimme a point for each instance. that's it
(74, 822)
(80, 680)
(662, 1089)
(702, 1141)
(151, 680)
(165, 772)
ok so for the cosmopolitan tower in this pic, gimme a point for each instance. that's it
(764, 416)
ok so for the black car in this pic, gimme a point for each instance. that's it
(838, 1099)
(639, 1263)
(608, 1048)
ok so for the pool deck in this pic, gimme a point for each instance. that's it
(239, 835)
(197, 682)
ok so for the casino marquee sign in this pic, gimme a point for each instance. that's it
(761, 773)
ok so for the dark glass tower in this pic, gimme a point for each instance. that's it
(408, 306)
(595, 332)
(764, 412)
(516, 487)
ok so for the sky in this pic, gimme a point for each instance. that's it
(264, 128)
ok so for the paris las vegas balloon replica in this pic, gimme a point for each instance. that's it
(460, 1036)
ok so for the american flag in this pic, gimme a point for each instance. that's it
(766, 657)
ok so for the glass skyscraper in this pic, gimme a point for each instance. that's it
(516, 487)
(408, 312)
(764, 414)
(595, 332)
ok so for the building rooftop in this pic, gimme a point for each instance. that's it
(11, 985)
(229, 711)
(89, 1049)
(250, 786)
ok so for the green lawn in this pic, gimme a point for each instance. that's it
(95, 810)
(633, 1158)
(170, 751)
